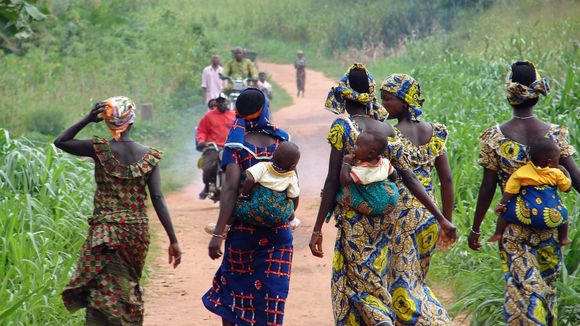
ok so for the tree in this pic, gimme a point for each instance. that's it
(17, 23)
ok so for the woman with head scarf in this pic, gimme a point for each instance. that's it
(416, 230)
(531, 258)
(108, 272)
(360, 295)
(251, 285)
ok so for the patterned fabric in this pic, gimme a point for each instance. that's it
(415, 235)
(375, 199)
(336, 99)
(265, 207)
(407, 89)
(517, 93)
(501, 154)
(539, 207)
(119, 114)
(108, 271)
(531, 257)
(251, 284)
(237, 134)
(359, 293)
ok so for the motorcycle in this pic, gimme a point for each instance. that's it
(214, 189)
(238, 85)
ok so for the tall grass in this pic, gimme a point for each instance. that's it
(45, 197)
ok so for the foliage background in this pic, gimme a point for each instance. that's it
(77, 52)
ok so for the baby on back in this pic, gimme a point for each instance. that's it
(367, 177)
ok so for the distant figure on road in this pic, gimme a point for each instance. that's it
(300, 65)
(211, 83)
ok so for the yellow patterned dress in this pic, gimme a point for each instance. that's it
(531, 258)
(415, 235)
(359, 295)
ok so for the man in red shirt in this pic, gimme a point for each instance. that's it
(212, 132)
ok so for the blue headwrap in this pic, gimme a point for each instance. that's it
(259, 121)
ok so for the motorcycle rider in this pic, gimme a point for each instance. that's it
(239, 67)
(213, 128)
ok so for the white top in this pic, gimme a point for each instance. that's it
(265, 174)
(211, 81)
(365, 173)
(264, 85)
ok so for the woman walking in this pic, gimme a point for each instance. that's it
(106, 280)
(531, 258)
(360, 295)
(251, 285)
(416, 230)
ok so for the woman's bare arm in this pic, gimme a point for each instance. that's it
(228, 197)
(66, 141)
(570, 165)
(486, 192)
(331, 187)
(160, 206)
(446, 179)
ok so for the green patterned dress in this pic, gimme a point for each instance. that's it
(531, 258)
(107, 274)
(415, 236)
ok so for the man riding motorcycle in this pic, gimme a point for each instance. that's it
(212, 132)
(239, 67)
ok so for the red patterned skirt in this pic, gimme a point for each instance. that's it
(107, 275)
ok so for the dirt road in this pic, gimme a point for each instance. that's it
(173, 297)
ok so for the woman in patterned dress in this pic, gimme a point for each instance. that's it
(416, 231)
(359, 293)
(531, 258)
(106, 280)
(251, 285)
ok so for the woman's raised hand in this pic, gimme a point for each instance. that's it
(174, 253)
(99, 108)
(316, 244)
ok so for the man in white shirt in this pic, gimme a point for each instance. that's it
(211, 83)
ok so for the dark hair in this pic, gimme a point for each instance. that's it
(379, 140)
(541, 150)
(249, 102)
(524, 74)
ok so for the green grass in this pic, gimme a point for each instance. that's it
(44, 201)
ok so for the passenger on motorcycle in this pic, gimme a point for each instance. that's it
(239, 67)
(212, 132)
(264, 85)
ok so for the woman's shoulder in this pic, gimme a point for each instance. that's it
(491, 136)
(560, 135)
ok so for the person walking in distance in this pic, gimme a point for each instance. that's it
(211, 83)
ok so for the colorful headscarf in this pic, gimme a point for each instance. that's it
(407, 89)
(517, 93)
(259, 121)
(336, 99)
(119, 114)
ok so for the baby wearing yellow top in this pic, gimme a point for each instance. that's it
(536, 180)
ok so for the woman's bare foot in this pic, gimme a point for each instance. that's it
(564, 242)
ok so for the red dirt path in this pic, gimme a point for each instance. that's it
(173, 297)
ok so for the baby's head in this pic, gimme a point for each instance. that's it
(370, 144)
(545, 152)
(286, 156)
